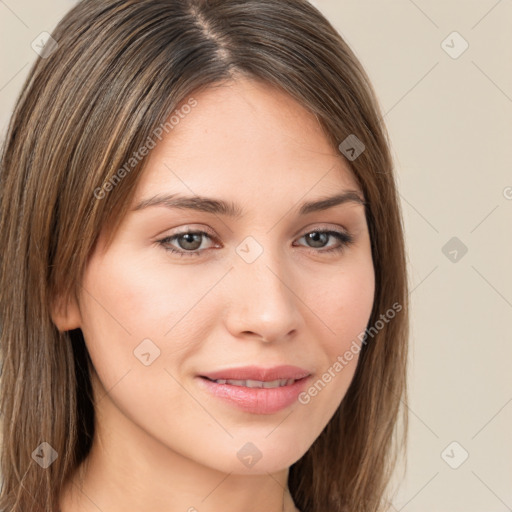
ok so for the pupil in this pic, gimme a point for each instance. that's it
(316, 235)
(189, 239)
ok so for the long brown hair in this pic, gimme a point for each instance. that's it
(116, 72)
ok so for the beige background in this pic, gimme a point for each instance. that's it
(450, 124)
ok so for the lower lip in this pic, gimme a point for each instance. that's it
(256, 400)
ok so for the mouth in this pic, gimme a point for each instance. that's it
(253, 375)
(254, 396)
(278, 383)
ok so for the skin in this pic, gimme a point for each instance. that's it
(162, 443)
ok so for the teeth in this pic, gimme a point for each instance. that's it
(257, 383)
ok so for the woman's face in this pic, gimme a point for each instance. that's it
(258, 289)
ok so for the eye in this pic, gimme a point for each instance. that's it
(320, 236)
(189, 242)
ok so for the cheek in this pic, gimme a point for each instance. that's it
(144, 296)
(343, 302)
(130, 301)
(140, 324)
(343, 305)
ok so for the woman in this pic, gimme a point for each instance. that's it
(203, 285)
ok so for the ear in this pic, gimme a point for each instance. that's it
(66, 314)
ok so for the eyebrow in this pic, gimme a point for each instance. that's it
(230, 209)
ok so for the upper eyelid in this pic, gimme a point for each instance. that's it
(212, 234)
(204, 231)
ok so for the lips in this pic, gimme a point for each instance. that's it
(256, 373)
(278, 383)
(254, 389)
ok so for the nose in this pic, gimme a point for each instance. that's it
(262, 301)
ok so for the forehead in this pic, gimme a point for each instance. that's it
(246, 137)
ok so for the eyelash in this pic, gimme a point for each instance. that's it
(345, 238)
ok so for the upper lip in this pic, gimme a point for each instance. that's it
(258, 373)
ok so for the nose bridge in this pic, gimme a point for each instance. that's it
(265, 303)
